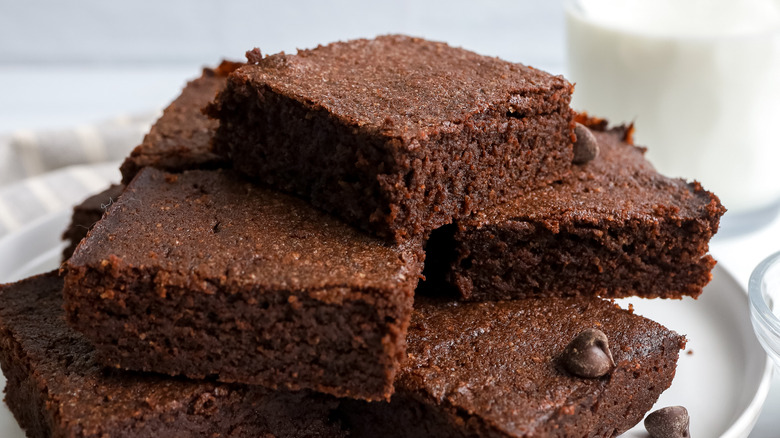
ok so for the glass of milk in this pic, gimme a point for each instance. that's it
(699, 78)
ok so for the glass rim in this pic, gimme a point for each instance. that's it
(574, 7)
(759, 307)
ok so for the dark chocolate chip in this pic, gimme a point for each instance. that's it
(588, 355)
(669, 422)
(586, 148)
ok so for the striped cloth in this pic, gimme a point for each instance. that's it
(48, 171)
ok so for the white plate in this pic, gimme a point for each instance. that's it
(725, 379)
(723, 383)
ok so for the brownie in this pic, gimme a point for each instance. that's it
(472, 369)
(494, 369)
(615, 227)
(181, 138)
(396, 135)
(205, 274)
(56, 387)
(86, 214)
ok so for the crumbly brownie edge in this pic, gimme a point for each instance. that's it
(85, 215)
(77, 230)
(25, 399)
(526, 258)
(278, 339)
(395, 187)
(180, 139)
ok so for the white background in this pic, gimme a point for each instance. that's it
(66, 62)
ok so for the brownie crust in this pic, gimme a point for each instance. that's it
(86, 214)
(57, 388)
(181, 138)
(494, 369)
(396, 135)
(614, 228)
(204, 274)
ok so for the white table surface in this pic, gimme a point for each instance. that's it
(67, 96)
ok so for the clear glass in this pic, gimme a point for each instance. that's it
(764, 292)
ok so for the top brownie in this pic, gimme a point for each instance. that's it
(181, 138)
(397, 135)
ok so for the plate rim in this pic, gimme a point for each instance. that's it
(749, 414)
(742, 426)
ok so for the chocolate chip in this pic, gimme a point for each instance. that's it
(588, 355)
(586, 148)
(669, 422)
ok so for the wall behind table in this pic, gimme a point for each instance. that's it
(64, 63)
(182, 31)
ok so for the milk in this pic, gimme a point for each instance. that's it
(700, 79)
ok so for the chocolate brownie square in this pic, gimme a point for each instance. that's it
(473, 369)
(205, 274)
(396, 135)
(615, 227)
(495, 369)
(56, 387)
(86, 214)
(181, 138)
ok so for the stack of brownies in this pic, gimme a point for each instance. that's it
(376, 238)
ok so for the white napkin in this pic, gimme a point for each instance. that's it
(46, 171)
(28, 153)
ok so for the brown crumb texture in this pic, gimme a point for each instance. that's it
(57, 388)
(613, 228)
(493, 370)
(181, 138)
(396, 135)
(205, 274)
(86, 214)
